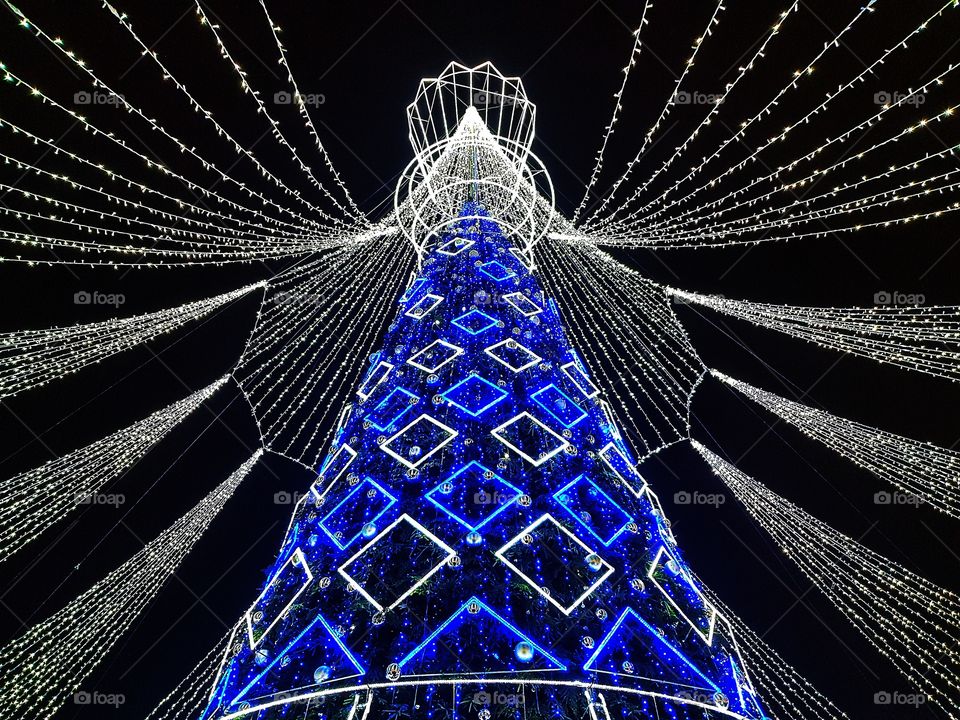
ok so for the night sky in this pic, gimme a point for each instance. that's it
(366, 59)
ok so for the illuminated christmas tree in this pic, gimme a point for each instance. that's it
(478, 541)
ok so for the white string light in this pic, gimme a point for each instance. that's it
(908, 619)
(36, 499)
(920, 469)
(925, 339)
(30, 358)
(43, 667)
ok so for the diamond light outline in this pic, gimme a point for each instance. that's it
(508, 297)
(488, 351)
(433, 538)
(502, 394)
(491, 516)
(411, 360)
(500, 554)
(492, 323)
(535, 462)
(422, 458)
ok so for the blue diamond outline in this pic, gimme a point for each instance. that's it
(516, 496)
(509, 273)
(459, 324)
(502, 395)
(591, 530)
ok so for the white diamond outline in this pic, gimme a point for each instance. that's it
(518, 308)
(433, 538)
(581, 380)
(353, 456)
(364, 396)
(410, 313)
(530, 364)
(419, 366)
(603, 456)
(422, 458)
(466, 246)
(708, 638)
(298, 557)
(500, 554)
(535, 462)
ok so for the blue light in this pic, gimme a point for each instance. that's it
(470, 488)
(348, 520)
(474, 322)
(580, 495)
(474, 395)
(393, 407)
(485, 608)
(498, 272)
(560, 405)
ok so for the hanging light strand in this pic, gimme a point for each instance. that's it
(925, 339)
(48, 663)
(34, 500)
(919, 469)
(30, 358)
(908, 619)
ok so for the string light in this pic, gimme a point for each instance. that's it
(30, 358)
(919, 469)
(48, 663)
(925, 339)
(36, 499)
(908, 619)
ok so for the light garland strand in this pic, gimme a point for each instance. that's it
(275, 130)
(742, 71)
(925, 339)
(31, 358)
(908, 619)
(654, 380)
(311, 340)
(34, 500)
(48, 663)
(921, 470)
(784, 691)
(617, 108)
(664, 112)
(187, 700)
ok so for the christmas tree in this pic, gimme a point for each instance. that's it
(478, 541)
